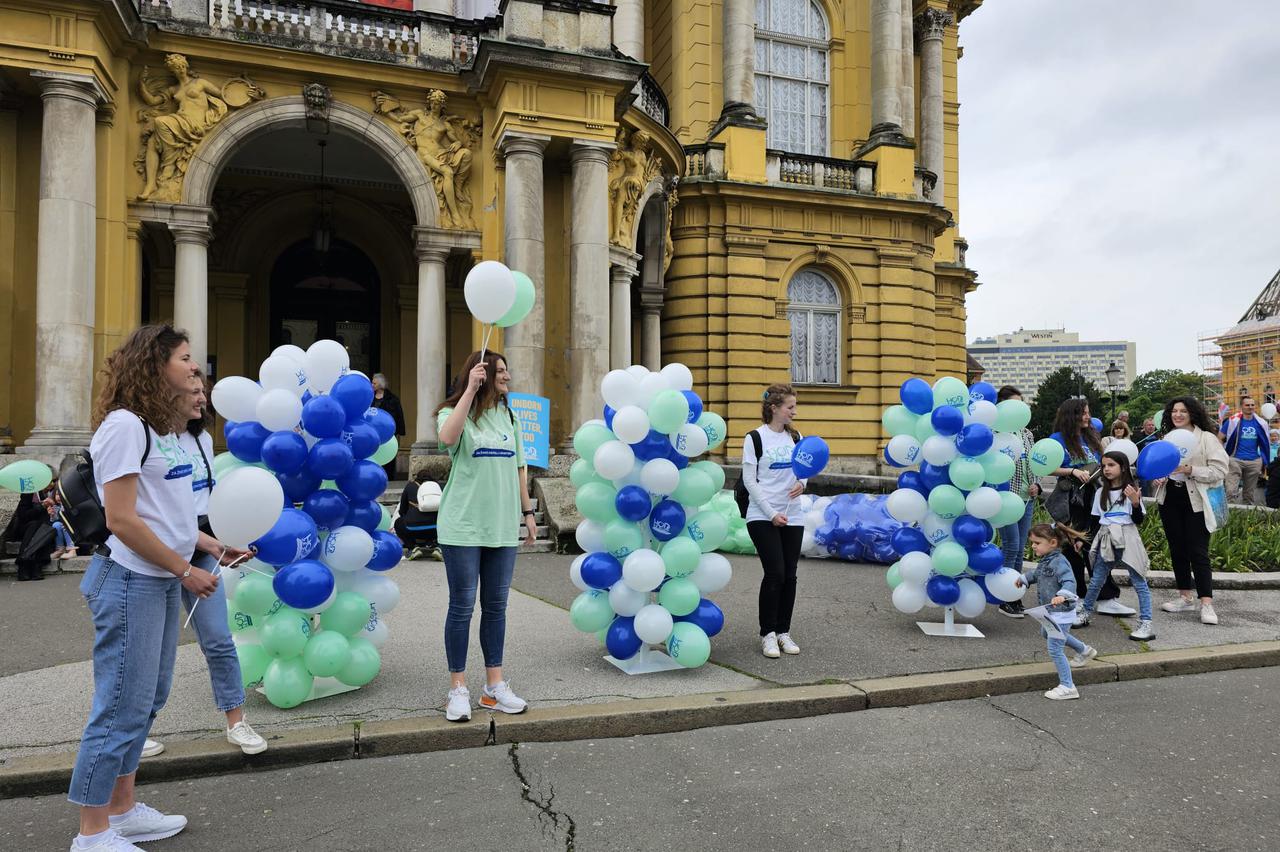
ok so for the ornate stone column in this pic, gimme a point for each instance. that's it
(628, 28)
(651, 327)
(588, 279)
(66, 262)
(431, 354)
(931, 26)
(739, 58)
(191, 235)
(886, 66)
(621, 273)
(524, 343)
(907, 92)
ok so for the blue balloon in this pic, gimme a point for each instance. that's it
(654, 446)
(666, 521)
(361, 438)
(970, 532)
(851, 551)
(917, 396)
(330, 458)
(680, 460)
(608, 416)
(909, 540)
(986, 558)
(621, 639)
(246, 440)
(633, 503)
(601, 570)
(228, 427)
(944, 591)
(708, 616)
(355, 394)
(695, 407)
(1096, 424)
(913, 481)
(982, 390)
(284, 452)
(364, 480)
(809, 456)
(382, 422)
(293, 537)
(366, 515)
(934, 475)
(946, 419)
(824, 535)
(328, 508)
(981, 580)
(975, 439)
(324, 417)
(304, 585)
(387, 549)
(1157, 460)
(298, 485)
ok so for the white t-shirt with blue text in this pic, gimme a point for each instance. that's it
(1120, 511)
(776, 478)
(202, 480)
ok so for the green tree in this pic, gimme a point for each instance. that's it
(1150, 391)
(1060, 385)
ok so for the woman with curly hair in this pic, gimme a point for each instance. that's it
(134, 583)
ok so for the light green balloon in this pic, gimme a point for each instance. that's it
(602, 636)
(1046, 456)
(1012, 415)
(287, 682)
(253, 664)
(947, 502)
(695, 487)
(688, 644)
(581, 472)
(348, 614)
(523, 304)
(1012, 508)
(680, 557)
(950, 559)
(713, 424)
(595, 501)
(224, 462)
(622, 538)
(239, 621)
(997, 468)
(897, 420)
(255, 595)
(589, 437)
(326, 654)
(679, 596)
(1158, 418)
(708, 529)
(386, 451)
(966, 473)
(590, 611)
(385, 524)
(924, 428)
(668, 411)
(712, 470)
(950, 391)
(893, 576)
(285, 634)
(26, 477)
(363, 665)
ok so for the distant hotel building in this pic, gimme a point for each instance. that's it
(1027, 356)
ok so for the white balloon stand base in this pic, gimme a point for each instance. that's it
(322, 687)
(949, 628)
(646, 661)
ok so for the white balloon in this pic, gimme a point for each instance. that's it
(909, 598)
(939, 450)
(246, 503)
(632, 478)
(282, 372)
(236, 398)
(814, 518)
(904, 450)
(690, 441)
(653, 624)
(678, 377)
(972, 601)
(489, 290)
(643, 570)
(619, 389)
(935, 529)
(614, 460)
(626, 600)
(1009, 444)
(650, 386)
(983, 411)
(1124, 445)
(328, 602)
(590, 536)
(1268, 411)
(1003, 585)
(293, 353)
(807, 543)
(712, 574)
(347, 549)
(378, 589)
(1184, 439)
(279, 410)
(638, 370)
(375, 631)
(907, 505)
(575, 571)
(660, 477)
(983, 503)
(914, 568)
(327, 361)
(631, 423)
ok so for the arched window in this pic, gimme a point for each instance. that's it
(792, 74)
(813, 307)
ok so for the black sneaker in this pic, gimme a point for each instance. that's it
(1013, 610)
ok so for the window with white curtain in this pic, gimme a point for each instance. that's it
(813, 307)
(792, 74)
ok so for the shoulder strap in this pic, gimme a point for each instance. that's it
(146, 437)
(758, 446)
(208, 468)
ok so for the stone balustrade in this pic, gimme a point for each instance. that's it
(652, 101)
(820, 172)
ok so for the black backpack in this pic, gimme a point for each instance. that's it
(82, 511)
(740, 494)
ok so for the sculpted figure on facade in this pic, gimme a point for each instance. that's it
(177, 119)
(631, 167)
(445, 145)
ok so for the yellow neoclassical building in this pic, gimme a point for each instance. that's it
(761, 189)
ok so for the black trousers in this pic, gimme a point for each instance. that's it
(779, 550)
(1188, 539)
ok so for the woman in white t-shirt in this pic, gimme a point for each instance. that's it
(133, 584)
(774, 519)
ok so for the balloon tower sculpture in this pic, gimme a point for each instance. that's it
(963, 446)
(300, 483)
(649, 560)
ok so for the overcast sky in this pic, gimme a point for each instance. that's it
(1118, 167)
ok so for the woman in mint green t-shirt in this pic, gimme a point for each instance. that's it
(483, 505)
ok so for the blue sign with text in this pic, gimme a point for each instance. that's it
(534, 416)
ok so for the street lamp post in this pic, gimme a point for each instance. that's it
(1113, 382)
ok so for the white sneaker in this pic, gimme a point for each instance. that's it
(1083, 617)
(1208, 615)
(1114, 607)
(1062, 693)
(1179, 604)
(152, 747)
(108, 841)
(1083, 657)
(769, 646)
(1144, 631)
(787, 644)
(145, 823)
(247, 738)
(459, 707)
(500, 697)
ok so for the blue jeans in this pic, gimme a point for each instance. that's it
(490, 568)
(1058, 654)
(1013, 539)
(210, 624)
(136, 619)
(1098, 576)
(62, 538)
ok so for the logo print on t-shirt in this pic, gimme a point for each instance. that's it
(492, 445)
(778, 458)
(176, 458)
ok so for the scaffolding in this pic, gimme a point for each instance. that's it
(1245, 358)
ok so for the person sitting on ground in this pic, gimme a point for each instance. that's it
(416, 519)
(29, 527)
(66, 547)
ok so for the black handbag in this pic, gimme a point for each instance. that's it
(1071, 502)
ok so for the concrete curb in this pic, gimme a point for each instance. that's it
(46, 774)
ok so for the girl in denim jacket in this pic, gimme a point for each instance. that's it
(1056, 587)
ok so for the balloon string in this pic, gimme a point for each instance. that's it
(217, 572)
(484, 347)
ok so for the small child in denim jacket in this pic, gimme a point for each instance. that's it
(1056, 587)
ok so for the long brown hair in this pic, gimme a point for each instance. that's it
(1074, 436)
(1126, 479)
(203, 423)
(775, 397)
(133, 378)
(487, 397)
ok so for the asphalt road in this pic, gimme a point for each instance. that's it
(1182, 764)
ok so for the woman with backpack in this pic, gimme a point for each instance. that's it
(134, 583)
(774, 520)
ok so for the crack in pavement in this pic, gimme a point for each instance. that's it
(1029, 723)
(544, 806)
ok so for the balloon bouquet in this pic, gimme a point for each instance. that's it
(300, 483)
(965, 446)
(850, 527)
(639, 491)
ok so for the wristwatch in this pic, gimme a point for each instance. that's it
(528, 513)
(187, 573)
